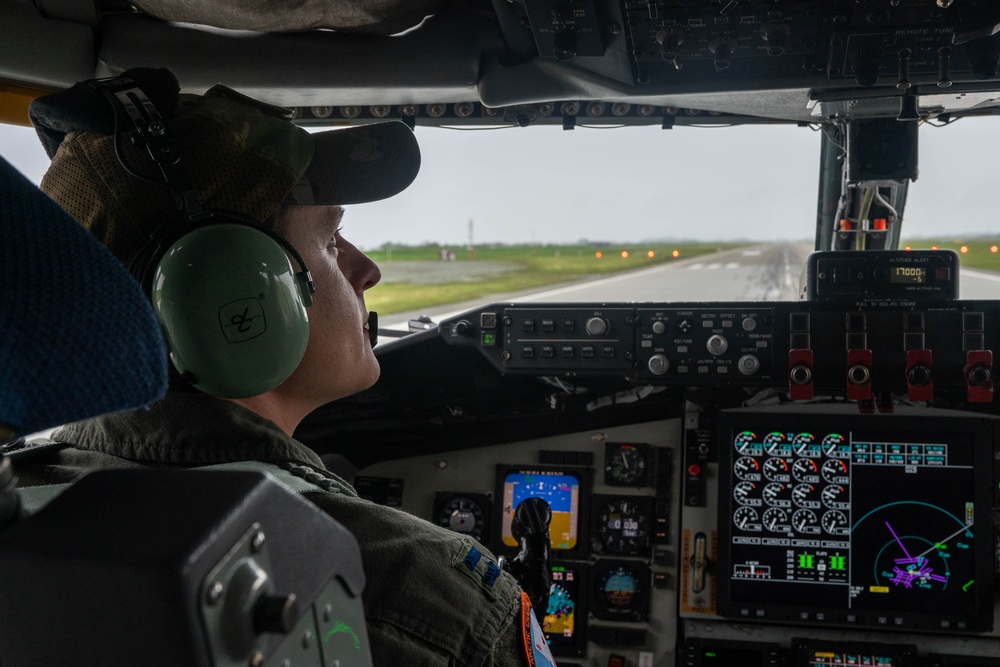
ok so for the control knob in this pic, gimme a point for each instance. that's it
(722, 49)
(597, 326)
(659, 327)
(776, 37)
(980, 376)
(658, 364)
(858, 374)
(564, 45)
(919, 375)
(748, 364)
(800, 374)
(717, 345)
(671, 39)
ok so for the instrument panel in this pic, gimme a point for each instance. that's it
(822, 527)
(819, 527)
(865, 350)
(613, 496)
(868, 526)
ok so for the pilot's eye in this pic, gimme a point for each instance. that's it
(333, 239)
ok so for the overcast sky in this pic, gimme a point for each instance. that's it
(547, 185)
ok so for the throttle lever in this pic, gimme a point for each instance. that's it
(532, 564)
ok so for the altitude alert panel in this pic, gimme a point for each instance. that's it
(868, 521)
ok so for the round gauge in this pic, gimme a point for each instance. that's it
(776, 494)
(775, 520)
(462, 513)
(805, 470)
(621, 591)
(742, 491)
(833, 444)
(745, 518)
(835, 471)
(622, 525)
(747, 468)
(776, 444)
(626, 464)
(835, 497)
(776, 470)
(744, 441)
(805, 521)
(806, 495)
(805, 444)
(835, 522)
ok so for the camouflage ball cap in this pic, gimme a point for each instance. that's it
(239, 154)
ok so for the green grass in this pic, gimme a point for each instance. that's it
(979, 253)
(539, 265)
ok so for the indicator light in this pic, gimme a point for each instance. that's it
(907, 248)
(964, 249)
(598, 254)
(880, 224)
(993, 248)
(845, 225)
(676, 253)
(624, 254)
(651, 254)
(934, 247)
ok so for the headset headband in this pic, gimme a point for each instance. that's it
(151, 132)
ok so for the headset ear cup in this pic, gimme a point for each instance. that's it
(232, 310)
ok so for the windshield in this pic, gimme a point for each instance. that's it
(631, 214)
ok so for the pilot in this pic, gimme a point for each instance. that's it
(432, 597)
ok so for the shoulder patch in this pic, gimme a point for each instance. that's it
(536, 648)
(479, 566)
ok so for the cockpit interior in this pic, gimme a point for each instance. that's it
(799, 483)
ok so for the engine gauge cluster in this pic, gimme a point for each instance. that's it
(846, 520)
(779, 488)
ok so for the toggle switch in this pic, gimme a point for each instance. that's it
(919, 384)
(800, 377)
(979, 376)
(859, 376)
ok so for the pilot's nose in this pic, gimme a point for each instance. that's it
(359, 268)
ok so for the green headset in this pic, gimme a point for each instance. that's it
(231, 305)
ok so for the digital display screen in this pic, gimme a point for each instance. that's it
(831, 524)
(563, 616)
(560, 489)
(729, 653)
(910, 275)
(810, 653)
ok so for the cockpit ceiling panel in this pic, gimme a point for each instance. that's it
(772, 60)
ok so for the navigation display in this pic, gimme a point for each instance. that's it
(561, 489)
(853, 521)
(566, 614)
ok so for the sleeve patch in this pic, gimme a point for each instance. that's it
(536, 648)
(478, 566)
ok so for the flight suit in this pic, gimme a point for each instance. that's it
(432, 597)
